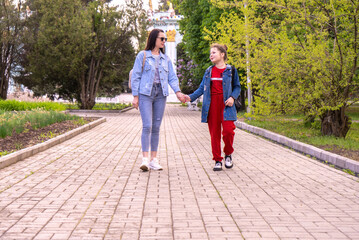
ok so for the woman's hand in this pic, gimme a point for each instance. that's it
(181, 97)
(229, 102)
(135, 102)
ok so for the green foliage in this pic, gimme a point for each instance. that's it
(186, 70)
(349, 172)
(11, 122)
(139, 23)
(198, 15)
(296, 130)
(4, 153)
(10, 28)
(353, 112)
(13, 105)
(303, 57)
(75, 49)
(101, 106)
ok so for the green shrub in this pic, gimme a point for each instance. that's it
(14, 105)
(100, 106)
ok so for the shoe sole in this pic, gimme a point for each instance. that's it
(229, 166)
(144, 168)
(157, 169)
(217, 169)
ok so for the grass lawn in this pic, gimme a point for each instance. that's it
(311, 135)
(353, 112)
(293, 127)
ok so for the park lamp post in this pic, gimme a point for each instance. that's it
(249, 92)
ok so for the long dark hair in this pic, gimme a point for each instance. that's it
(151, 40)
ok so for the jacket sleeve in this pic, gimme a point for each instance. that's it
(137, 73)
(172, 77)
(199, 91)
(236, 85)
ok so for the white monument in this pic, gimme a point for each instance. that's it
(168, 22)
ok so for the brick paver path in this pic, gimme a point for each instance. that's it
(91, 187)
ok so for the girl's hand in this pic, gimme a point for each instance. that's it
(135, 102)
(229, 102)
(187, 98)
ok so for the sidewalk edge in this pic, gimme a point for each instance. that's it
(30, 151)
(98, 111)
(320, 154)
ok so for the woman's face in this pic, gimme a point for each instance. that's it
(216, 56)
(159, 42)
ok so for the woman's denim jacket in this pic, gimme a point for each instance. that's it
(142, 81)
(230, 113)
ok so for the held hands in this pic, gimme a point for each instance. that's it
(187, 98)
(229, 102)
(181, 97)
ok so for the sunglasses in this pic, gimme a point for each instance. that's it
(163, 39)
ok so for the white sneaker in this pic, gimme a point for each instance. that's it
(155, 165)
(144, 165)
(217, 166)
(228, 161)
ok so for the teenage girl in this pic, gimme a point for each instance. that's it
(219, 89)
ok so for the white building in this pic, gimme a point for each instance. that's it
(168, 22)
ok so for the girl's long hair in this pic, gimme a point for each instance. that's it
(151, 40)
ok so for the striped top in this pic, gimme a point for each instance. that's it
(216, 81)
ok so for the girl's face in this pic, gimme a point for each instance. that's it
(161, 40)
(216, 56)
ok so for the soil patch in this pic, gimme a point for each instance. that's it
(32, 137)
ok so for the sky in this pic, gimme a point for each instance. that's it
(121, 2)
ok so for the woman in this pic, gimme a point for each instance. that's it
(219, 89)
(152, 73)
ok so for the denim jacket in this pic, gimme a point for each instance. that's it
(142, 81)
(229, 113)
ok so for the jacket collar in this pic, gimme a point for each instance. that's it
(209, 69)
(149, 54)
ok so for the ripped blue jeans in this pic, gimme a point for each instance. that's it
(151, 109)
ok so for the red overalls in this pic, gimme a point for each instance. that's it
(215, 118)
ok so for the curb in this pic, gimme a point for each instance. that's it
(322, 155)
(30, 151)
(98, 111)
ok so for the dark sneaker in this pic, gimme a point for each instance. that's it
(228, 161)
(218, 166)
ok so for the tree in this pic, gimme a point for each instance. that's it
(198, 15)
(163, 5)
(304, 57)
(10, 25)
(111, 42)
(185, 70)
(139, 23)
(77, 50)
(316, 52)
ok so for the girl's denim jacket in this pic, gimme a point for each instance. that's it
(229, 113)
(142, 81)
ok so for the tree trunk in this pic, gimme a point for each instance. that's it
(243, 100)
(4, 83)
(335, 123)
(5, 65)
(89, 84)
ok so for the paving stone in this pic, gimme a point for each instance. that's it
(91, 187)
